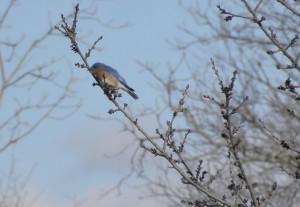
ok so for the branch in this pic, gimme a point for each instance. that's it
(289, 7)
(271, 36)
(229, 132)
(70, 32)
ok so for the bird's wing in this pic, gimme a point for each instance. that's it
(116, 74)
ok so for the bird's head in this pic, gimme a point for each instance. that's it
(96, 66)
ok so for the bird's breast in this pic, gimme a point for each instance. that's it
(106, 77)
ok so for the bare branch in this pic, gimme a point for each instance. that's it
(187, 177)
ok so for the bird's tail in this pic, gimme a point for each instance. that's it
(130, 92)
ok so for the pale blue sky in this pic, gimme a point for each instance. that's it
(61, 149)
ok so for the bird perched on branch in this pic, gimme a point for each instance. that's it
(110, 76)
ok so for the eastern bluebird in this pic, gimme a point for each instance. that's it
(110, 76)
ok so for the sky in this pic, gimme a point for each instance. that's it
(69, 162)
(65, 159)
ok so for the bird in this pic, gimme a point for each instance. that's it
(110, 76)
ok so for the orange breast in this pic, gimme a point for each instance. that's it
(107, 77)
